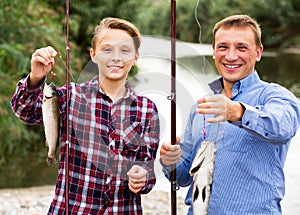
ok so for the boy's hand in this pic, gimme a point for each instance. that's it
(137, 178)
(42, 62)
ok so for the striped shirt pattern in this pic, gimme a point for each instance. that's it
(248, 175)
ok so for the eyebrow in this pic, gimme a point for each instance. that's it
(239, 44)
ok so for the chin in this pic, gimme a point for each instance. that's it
(232, 78)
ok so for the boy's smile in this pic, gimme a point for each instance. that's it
(115, 55)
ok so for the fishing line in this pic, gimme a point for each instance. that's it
(197, 21)
(217, 126)
(53, 74)
(200, 32)
(65, 66)
(199, 38)
(204, 128)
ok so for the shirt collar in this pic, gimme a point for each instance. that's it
(238, 87)
(94, 85)
(130, 92)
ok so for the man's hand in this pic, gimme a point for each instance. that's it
(222, 107)
(137, 178)
(170, 154)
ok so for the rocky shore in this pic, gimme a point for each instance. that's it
(36, 201)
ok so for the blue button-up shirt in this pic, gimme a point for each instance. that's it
(248, 176)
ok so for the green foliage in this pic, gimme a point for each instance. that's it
(25, 25)
(279, 19)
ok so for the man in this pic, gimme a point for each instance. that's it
(113, 132)
(250, 121)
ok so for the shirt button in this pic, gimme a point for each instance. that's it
(247, 123)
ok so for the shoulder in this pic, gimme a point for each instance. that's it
(145, 102)
(277, 90)
(139, 100)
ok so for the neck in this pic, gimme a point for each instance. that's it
(115, 90)
(227, 90)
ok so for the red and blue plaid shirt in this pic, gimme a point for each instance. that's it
(105, 140)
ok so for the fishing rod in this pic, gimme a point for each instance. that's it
(174, 186)
(67, 110)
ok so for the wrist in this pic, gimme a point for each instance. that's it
(240, 112)
(33, 81)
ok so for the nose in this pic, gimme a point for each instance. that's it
(116, 56)
(231, 55)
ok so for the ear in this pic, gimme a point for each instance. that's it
(259, 53)
(92, 54)
(213, 48)
(136, 57)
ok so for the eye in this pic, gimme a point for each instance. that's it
(242, 48)
(126, 50)
(222, 47)
(107, 49)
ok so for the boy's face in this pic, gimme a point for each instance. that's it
(115, 54)
(235, 53)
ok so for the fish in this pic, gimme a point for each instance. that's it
(51, 121)
(202, 170)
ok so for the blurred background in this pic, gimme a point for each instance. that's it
(26, 25)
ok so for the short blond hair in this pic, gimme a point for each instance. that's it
(240, 21)
(120, 24)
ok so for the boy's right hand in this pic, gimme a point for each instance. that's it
(170, 154)
(42, 62)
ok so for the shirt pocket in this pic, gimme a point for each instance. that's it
(131, 136)
(237, 140)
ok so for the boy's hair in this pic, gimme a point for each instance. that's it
(120, 24)
(239, 21)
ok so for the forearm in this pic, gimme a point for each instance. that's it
(27, 101)
(183, 177)
(146, 159)
(277, 124)
(151, 178)
(148, 150)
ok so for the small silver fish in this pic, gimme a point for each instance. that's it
(202, 170)
(51, 120)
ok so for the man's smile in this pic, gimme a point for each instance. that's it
(230, 66)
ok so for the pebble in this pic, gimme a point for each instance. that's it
(36, 201)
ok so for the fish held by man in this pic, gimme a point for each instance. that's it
(202, 170)
(51, 120)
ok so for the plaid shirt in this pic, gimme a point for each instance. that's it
(105, 140)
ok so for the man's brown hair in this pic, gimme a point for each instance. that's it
(239, 21)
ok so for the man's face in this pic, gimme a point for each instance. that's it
(115, 54)
(235, 53)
